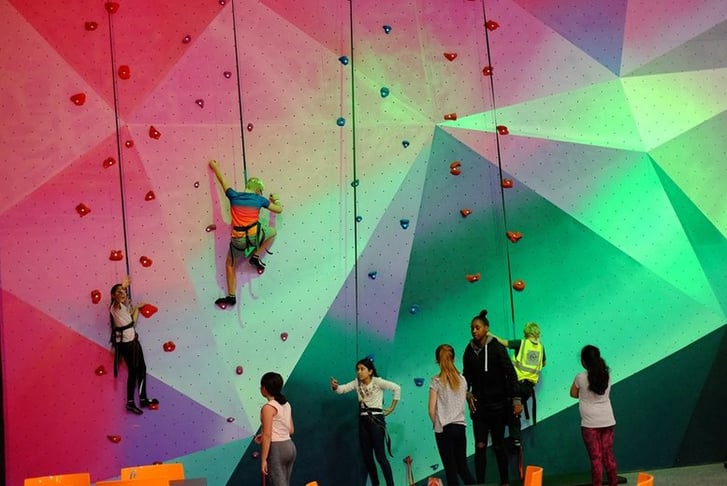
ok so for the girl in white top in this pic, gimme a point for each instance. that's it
(372, 425)
(276, 416)
(447, 398)
(592, 388)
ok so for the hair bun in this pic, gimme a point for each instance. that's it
(483, 313)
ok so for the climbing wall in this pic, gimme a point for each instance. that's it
(556, 162)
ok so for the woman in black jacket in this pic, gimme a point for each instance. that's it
(491, 397)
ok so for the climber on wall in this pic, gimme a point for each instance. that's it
(248, 233)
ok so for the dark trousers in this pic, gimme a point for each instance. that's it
(452, 446)
(372, 436)
(525, 389)
(134, 359)
(491, 419)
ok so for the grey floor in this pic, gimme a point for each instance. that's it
(706, 475)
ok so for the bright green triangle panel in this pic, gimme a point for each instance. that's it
(695, 161)
(708, 243)
(596, 115)
(667, 105)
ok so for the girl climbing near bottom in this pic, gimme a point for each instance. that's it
(371, 424)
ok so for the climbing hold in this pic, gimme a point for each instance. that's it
(405, 143)
(502, 130)
(507, 183)
(249, 127)
(200, 103)
(387, 29)
(514, 236)
(404, 223)
(91, 26)
(283, 336)
(418, 381)
(413, 309)
(100, 371)
(78, 99)
(255, 454)
(145, 261)
(343, 60)
(359, 219)
(473, 278)
(82, 209)
(114, 438)
(109, 162)
(354, 183)
(492, 25)
(169, 346)
(116, 255)
(95, 296)
(451, 56)
(150, 196)
(372, 275)
(518, 285)
(227, 74)
(196, 184)
(230, 419)
(187, 39)
(154, 133)
(384, 92)
(450, 116)
(238, 370)
(210, 227)
(148, 310)
(129, 143)
(111, 7)
(340, 121)
(487, 71)
(455, 170)
(124, 72)
(465, 212)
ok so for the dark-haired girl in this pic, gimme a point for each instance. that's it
(372, 425)
(493, 396)
(276, 416)
(592, 388)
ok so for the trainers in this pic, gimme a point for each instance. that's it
(131, 407)
(225, 302)
(148, 403)
(259, 265)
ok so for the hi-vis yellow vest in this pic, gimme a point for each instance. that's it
(529, 361)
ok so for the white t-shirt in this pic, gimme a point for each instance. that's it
(122, 317)
(372, 395)
(596, 411)
(281, 421)
(450, 403)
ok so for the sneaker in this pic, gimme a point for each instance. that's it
(259, 265)
(131, 407)
(148, 403)
(225, 302)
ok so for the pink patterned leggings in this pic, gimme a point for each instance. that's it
(599, 444)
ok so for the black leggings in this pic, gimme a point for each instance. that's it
(134, 359)
(452, 446)
(372, 435)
